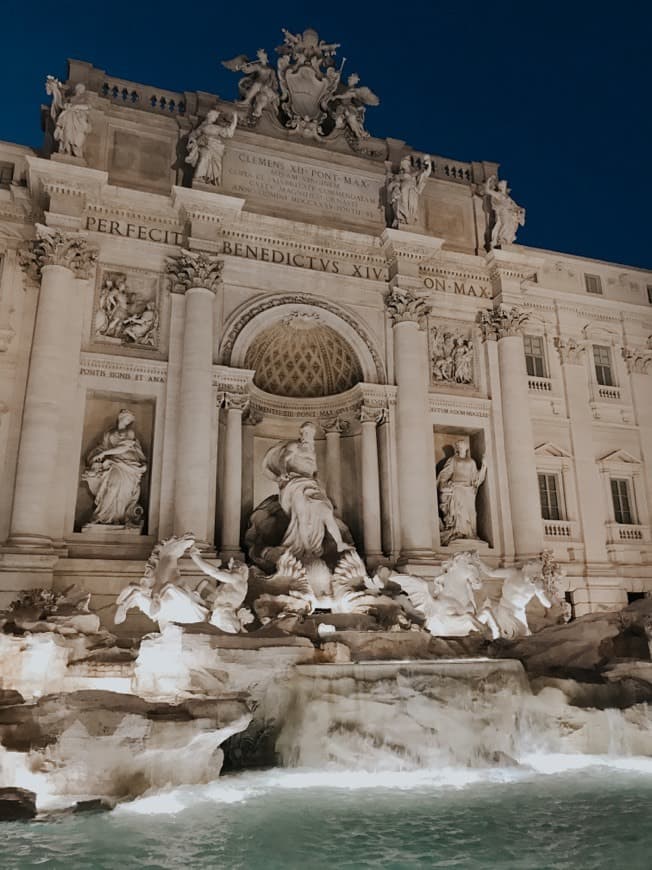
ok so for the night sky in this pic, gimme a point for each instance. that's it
(557, 93)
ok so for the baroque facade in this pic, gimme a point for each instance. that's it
(185, 280)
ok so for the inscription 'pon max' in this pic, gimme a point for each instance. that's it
(443, 285)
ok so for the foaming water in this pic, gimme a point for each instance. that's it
(592, 816)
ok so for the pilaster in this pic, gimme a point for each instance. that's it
(369, 418)
(415, 445)
(197, 276)
(572, 354)
(504, 325)
(58, 259)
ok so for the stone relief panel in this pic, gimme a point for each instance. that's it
(127, 309)
(115, 465)
(452, 355)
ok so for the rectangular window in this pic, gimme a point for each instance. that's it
(622, 503)
(549, 495)
(535, 360)
(593, 284)
(602, 360)
(6, 173)
(649, 293)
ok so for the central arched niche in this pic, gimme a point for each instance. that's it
(300, 356)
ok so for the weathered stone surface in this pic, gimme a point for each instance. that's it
(585, 647)
(9, 697)
(108, 745)
(17, 804)
(95, 805)
(383, 645)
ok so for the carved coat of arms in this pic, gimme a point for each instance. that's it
(305, 93)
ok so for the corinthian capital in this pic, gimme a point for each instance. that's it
(405, 305)
(195, 269)
(637, 359)
(371, 414)
(56, 248)
(334, 424)
(235, 401)
(571, 351)
(497, 323)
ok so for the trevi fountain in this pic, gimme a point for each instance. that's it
(319, 594)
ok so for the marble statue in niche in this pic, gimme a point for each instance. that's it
(125, 315)
(403, 188)
(451, 356)
(458, 483)
(206, 147)
(506, 215)
(293, 465)
(69, 116)
(259, 87)
(113, 475)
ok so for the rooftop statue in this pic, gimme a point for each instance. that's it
(305, 93)
(403, 188)
(70, 117)
(259, 87)
(206, 147)
(348, 107)
(506, 215)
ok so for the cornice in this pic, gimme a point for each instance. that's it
(111, 210)
(378, 397)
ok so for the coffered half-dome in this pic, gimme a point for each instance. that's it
(300, 356)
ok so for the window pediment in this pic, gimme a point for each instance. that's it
(549, 450)
(619, 458)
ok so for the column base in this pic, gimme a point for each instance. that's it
(21, 543)
(423, 563)
(374, 560)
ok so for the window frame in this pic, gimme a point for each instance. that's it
(6, 179)
(590, 277)
(599, 368)
(529, 356)
(624, 516)
(548, 507)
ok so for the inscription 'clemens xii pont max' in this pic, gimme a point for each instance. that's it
(303, 185)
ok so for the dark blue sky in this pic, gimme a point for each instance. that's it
(558, 93)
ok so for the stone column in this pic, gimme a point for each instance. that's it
(371, 521)
(333, 429)
(589, 486)
(235, 404)
(57, 258)
(639, 366)
(414, 437)
(197, 275)
(505, 325)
